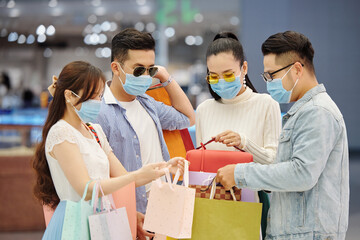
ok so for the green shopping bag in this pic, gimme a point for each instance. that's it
(224, 219)
(70, 219)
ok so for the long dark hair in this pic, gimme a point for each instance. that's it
(227, 42)
(75, 76)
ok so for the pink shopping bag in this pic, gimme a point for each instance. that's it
(170, 207)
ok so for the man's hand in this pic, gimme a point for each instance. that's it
(225, 176)
(141, 233)
(162, 74)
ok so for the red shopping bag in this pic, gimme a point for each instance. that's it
(203, 160)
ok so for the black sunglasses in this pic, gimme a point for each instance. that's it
(268, 77)
(138, 71)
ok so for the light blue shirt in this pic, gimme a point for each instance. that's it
(310, 176)
(123, 138)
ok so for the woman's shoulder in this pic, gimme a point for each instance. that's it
(59, 132)
(60, 126)
(206, 104)
(264, 98)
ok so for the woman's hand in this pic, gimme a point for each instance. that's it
(230, 138)
(149, 173)
(176, 163)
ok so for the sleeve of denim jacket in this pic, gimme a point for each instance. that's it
(314, 136)
(170, 118)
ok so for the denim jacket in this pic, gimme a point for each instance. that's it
(310, 176)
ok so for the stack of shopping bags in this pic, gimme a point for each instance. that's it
(215, 213)
(95, 219)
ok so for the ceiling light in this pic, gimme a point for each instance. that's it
(11, 4)
(21, 39)
(140, 26)
(53, 3)
(190, 40)
(141, 2)
(96, 3)
(198, 17)
(96, 28)
(92, 18)
(234, 20)
(3, 32)
(30, 39)
(198, 40)
(100, 11)
(169, 32)
(13, 36)
(106, 52)
(113, 26)
(47, 52)
(150, 27)
(40, 30)
(102, 38)
(105, 26)
(41, 38)
(50, 30)
(144, 10)
(98, 52)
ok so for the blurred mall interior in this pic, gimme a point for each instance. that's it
(39, 37)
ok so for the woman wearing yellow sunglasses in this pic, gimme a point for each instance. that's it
(238, 115)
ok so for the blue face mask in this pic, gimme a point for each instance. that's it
(277, 91)
(136, 85)
(227, 90)
(89, 109)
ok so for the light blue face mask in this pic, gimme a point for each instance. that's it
(136, 85)
(277, 91)
(227, 90)
(89, 109)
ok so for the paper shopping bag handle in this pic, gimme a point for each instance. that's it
(213, 190)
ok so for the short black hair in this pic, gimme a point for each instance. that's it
(132, 39)
(292, 45)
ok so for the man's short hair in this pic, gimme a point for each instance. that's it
(290, 47)
(130, 39)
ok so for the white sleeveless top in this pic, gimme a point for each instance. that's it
(95, 157)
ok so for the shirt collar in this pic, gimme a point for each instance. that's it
(307, 97)
(108, 95)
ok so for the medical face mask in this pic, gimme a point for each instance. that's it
(277, 91)
(89, 109)
(135, 85)
(225, 89)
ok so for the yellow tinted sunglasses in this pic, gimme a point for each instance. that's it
(213, 78)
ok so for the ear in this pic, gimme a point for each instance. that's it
(245, 67)
(115, 68)
(299, 70)
(67, 95)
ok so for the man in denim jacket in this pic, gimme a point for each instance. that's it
(310, 177)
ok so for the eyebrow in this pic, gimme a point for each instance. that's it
(141, 65)
(229, 70)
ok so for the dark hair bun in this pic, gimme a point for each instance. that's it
(226, 35)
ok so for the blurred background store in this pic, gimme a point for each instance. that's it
(39, 37)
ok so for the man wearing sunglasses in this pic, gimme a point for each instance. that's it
(309, 179)
(132, 120)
